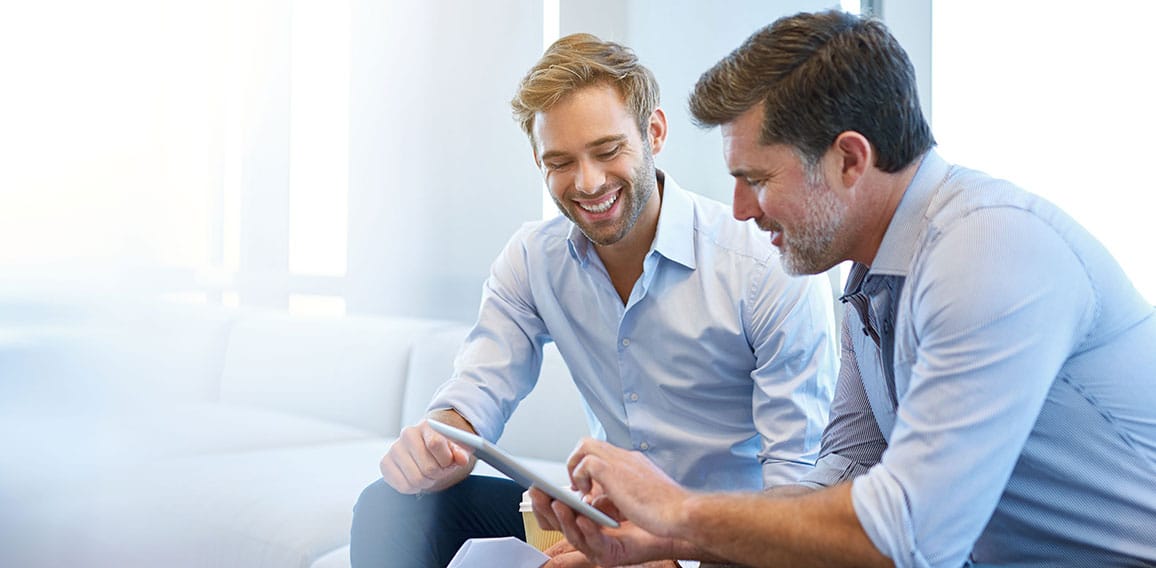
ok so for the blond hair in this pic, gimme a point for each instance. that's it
(582, 60)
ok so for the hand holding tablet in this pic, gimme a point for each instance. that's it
(522, 475)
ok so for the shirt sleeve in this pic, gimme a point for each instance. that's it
(792, 336)
(998, 302)
(852, 442)
(499, 362)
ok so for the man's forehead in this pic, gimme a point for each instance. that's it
(588, 117)
(749, 124)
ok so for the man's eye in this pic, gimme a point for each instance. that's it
(610, 154)
(554, 166)
(756, 182)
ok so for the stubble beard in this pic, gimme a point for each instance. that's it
(810, 248)
(634, 197)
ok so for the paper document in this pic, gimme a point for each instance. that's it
(508, 552)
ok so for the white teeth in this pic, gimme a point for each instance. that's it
(601, 207)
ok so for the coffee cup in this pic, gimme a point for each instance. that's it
(535, 535)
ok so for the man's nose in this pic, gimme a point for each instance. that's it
(746, 203)
(590, 177)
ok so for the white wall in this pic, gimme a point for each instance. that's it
(440, 175)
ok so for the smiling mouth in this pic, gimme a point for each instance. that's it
(602, 206)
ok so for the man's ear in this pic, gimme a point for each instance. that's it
(656, 130)
(854, 156)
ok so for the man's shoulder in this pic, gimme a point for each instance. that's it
(968, 192)
(544, 232)
(715, 226)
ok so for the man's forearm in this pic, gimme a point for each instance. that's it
(789, 490)
(818, 528)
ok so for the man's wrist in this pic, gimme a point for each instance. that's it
(689, 514)
(452, 417)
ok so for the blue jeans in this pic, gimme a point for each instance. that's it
(407, 531)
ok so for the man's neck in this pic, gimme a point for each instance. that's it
(623, 259)
(882, 202)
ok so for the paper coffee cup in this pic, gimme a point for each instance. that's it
(535, 536)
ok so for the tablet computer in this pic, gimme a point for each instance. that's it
(522, 475)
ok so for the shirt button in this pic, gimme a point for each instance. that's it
(633, 397)
(626, 343)
(644, 446)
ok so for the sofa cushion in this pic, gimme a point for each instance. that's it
(160, 352)
(270, 508)
(223, 427)
(350, 370)
(338, 558)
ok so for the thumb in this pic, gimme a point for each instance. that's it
(460, 455)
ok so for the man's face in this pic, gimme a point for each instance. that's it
(599, 169)
(805, 217)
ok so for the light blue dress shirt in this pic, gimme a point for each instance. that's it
(720, 367)
(999, 380)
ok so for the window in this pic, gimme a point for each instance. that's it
(319, 137)
(1057, 101)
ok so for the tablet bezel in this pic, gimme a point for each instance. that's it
(521, 475)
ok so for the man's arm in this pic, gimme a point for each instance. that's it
(497, 366)
(852, 441)
(499, 362)
(990, 328)
(817, 528)
(790, 327)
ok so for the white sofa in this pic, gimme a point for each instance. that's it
(182, 436)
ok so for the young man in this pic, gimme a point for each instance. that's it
(997, 398)
(684, 335)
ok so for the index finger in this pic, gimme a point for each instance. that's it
(588, 446)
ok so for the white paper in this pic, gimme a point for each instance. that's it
(504, 552)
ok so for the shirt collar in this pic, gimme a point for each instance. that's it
(674, 237)
(899, 242)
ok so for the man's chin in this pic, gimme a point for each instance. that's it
(795, 266)
(603, 239)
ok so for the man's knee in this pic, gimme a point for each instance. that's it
(380, 501)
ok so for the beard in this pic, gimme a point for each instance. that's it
(810, 247)
(633, 197)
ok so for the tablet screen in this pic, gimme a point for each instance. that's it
(521, 475)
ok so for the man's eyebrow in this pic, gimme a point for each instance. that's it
(606, 140)
(551, 154)
(594, 144)
(747, 173)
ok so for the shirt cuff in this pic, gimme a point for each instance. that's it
(881, 506)
(831, 470)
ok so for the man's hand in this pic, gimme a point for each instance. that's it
(626, 545)
(564, 555)
(423, 460)
(639, 490)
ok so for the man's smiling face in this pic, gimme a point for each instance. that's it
(597, 165)
(785, 197)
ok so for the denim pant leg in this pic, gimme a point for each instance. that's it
(407, 531)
